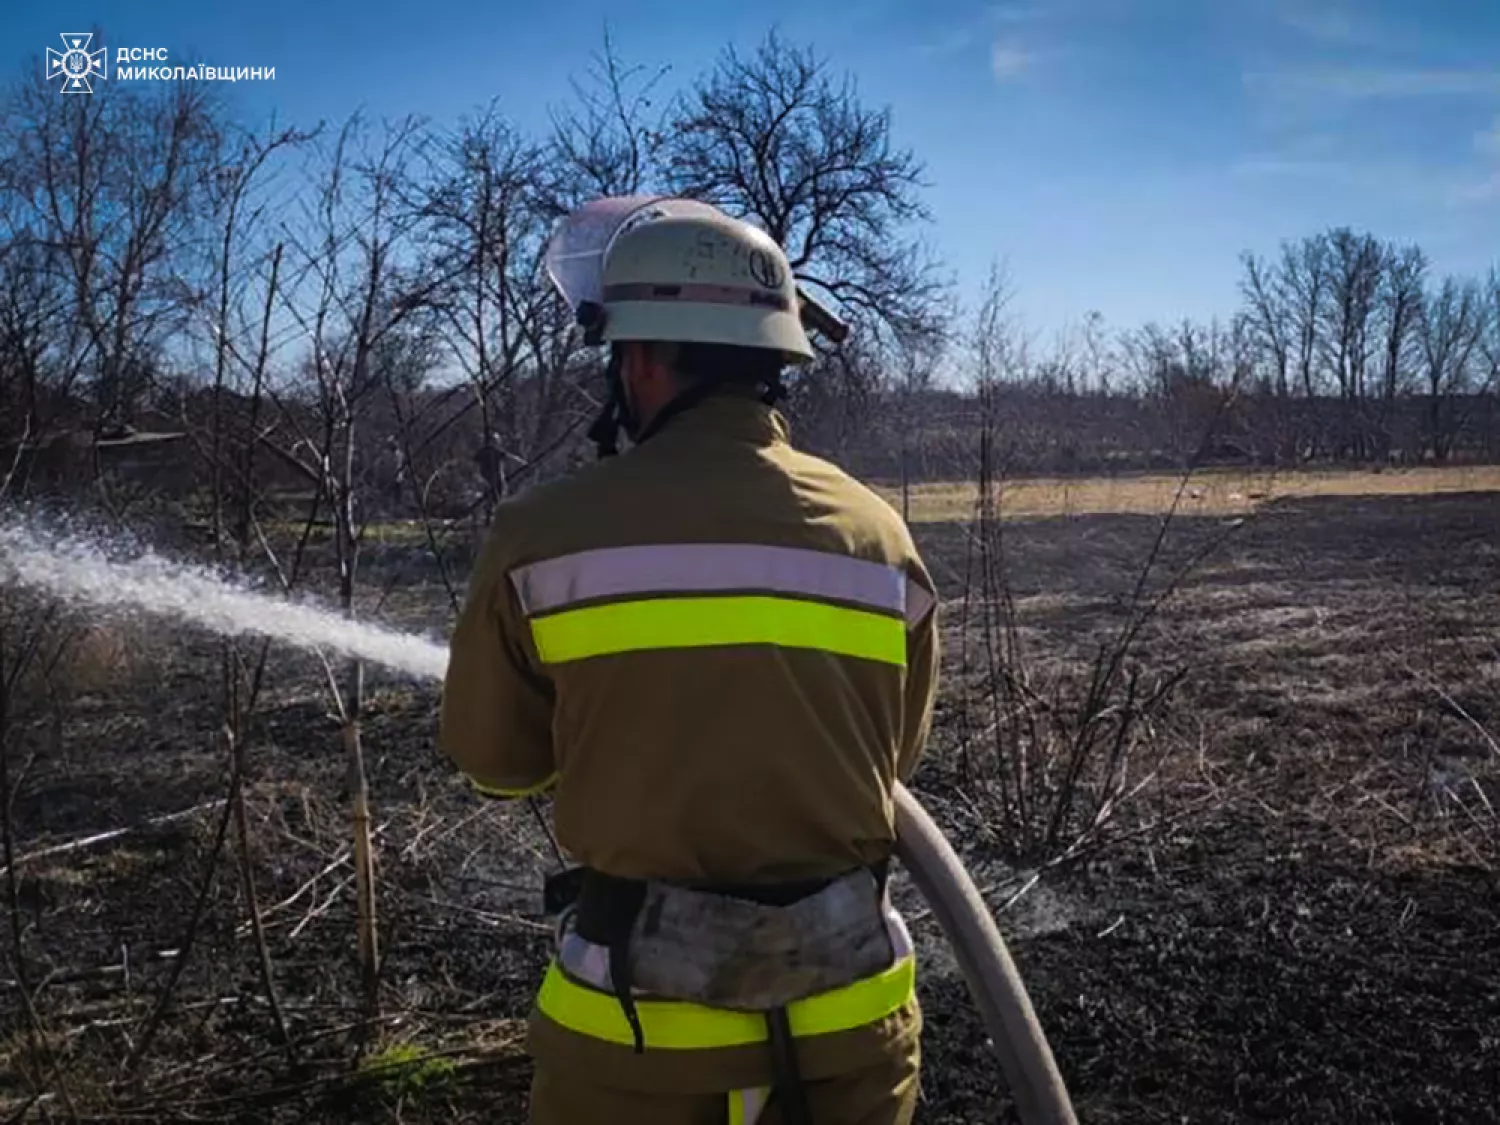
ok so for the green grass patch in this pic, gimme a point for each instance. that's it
(409, 1071)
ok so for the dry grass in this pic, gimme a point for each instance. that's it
(1333, 881)
(1209, 492)
(102, 656)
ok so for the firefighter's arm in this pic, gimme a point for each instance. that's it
(922, 655)
(496, 723)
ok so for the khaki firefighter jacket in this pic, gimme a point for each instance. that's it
(722, 653)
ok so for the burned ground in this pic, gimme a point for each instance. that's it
(1316, 942)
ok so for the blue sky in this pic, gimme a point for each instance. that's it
(1116, 154)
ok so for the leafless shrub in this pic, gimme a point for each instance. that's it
(1063, 753)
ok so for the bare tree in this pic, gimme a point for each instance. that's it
(36, 376)
(1491, 358)
(41, 345)
(1400, 314)
(1188, 375)
(1303, 282)
(604, 145)
(120, 177)
(1451, 329)
(1401, 306)
(774, 139)
(1304, 274)
(1269, 317)
(1356, 266)
(1269, 320)
(485, 229)
(1098, 354)
(1492, 330)
(352, 293)
(917, 364)
(242, 290)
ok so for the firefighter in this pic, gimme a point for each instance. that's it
(719, 654)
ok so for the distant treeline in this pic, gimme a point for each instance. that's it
(360, 314)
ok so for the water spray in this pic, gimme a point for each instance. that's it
(76, 571)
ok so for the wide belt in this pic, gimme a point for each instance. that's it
(605, 909)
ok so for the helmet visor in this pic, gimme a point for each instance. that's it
(576, 252)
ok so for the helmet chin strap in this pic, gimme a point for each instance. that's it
(617, 414)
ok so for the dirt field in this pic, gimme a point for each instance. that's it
(1317, 943)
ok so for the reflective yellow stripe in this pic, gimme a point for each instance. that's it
(700, 622)
(527, 791)
(668, 1025)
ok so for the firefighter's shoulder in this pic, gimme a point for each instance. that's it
(864, 512)
(566, 512)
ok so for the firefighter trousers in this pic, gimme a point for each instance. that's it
(881, 1095)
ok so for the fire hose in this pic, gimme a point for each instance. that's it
(994, 984)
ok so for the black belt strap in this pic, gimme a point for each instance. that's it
(620, 977)
(788, 1092)
(607, 909)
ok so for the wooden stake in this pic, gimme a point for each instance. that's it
(364, 870)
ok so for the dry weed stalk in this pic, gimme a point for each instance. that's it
(1064, 760)
(195, 923)
(1460, 793)
(236, 752)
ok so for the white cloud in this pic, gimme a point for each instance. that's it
(1484, 186)
(1326, 22)
(1368, 83)
(979, 26)
(1407, 181)
(1487, 141)
(1008, 59)
(1483, 190)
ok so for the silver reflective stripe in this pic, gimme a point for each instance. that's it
(918, 603)
(680, 568)
(746, 1106)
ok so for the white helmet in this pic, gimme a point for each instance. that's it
(700, 276)
(679, 270)
(654, 268)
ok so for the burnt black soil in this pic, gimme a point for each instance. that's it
(1246, 985)
(1318, 943)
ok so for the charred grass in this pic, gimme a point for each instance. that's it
(1314, 942)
